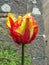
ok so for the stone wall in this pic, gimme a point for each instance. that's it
(20, 7)
(46, 23)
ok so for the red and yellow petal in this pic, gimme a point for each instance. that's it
(21, 29)
(34, 33)
(8, 23)
(9, 19)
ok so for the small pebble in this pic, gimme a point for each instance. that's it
(5, 8)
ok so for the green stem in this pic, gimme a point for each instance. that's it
(23, 54)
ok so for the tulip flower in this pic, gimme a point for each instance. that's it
(24, 29)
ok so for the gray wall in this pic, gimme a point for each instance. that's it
(37, 48)
(46, 22)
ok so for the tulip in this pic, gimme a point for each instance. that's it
(24, 29)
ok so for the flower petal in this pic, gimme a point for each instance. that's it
(21, 29)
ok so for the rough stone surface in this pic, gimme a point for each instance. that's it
(46, 23)
(37, 48)
(17, 6)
